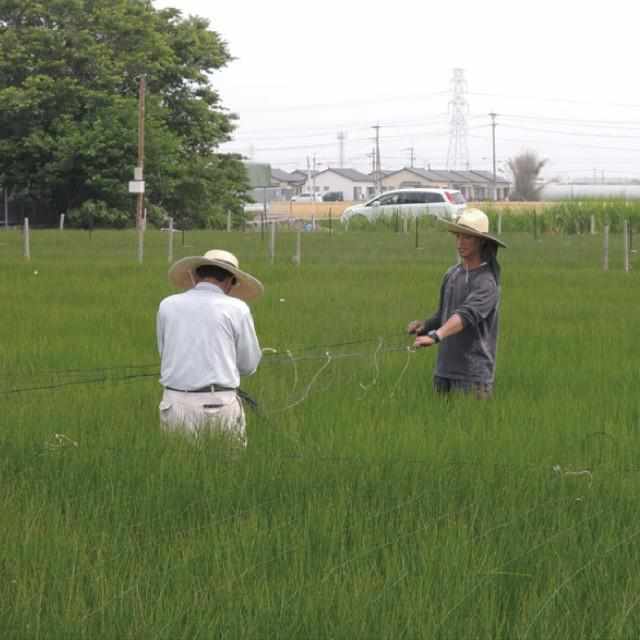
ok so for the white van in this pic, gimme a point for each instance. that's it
(443, 203)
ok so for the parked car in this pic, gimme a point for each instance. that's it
(443, 203)
(307, 197)
(333, 196)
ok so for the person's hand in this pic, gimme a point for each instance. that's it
(415, 326)
(423, 341)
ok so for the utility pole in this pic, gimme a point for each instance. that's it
(493, 138)
(412, 156)
(341, 138)
(377, 170)
(313, 177)
(141, 96)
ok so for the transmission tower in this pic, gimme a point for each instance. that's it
(341, 137)
(458, 154)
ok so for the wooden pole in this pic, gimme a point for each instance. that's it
(272, 244)
(27, 240)
(330, 222)
(170, 252)
(6, 209)
(626, 246)
(298, 256)
(417, 233)
(228, 221)
(593, 224)
(500, 223)
(605, 248)
(140, 208)
(62, 222)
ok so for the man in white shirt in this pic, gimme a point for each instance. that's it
(207, 340)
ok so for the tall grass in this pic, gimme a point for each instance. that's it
(365, 506)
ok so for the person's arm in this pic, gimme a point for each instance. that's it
(248, 352)
(453, 325)
(433, 322)
(477, 306)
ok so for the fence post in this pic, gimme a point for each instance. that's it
(272, 243)
(605, 248)
(170, 253)
(500, 223)
(417, 233)
(228, 221)
(27, 240)
(140, 242)
(626, 246)
(405, 224)
(330, 222)
(62, 222)
(593, 224)
(297, 258)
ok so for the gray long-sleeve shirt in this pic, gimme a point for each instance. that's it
(475, 296)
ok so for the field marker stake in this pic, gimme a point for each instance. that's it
(626, 246)
(62, 222)
(500, 223)
(605, 248)
(27, 240)
(593, 224)
(272, 243)
(297, 258)
(228, 221)
(170, 251)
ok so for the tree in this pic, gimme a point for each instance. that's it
(69, 72)
(526, 168)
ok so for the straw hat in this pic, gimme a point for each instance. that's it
(473, 222)
(182, 273)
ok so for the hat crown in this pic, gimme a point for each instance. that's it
(474, 219)
(219, 255)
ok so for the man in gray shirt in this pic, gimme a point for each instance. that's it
(465, 326)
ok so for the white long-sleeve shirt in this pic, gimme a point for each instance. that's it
(205, 337)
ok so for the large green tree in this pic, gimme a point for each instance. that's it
(69, 74)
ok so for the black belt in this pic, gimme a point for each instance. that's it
(210, 388)
(243, 395)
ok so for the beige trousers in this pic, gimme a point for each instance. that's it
(198, 413)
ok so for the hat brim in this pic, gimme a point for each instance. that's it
(461, 228)
(182, 275)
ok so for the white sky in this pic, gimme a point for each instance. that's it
(563, 77)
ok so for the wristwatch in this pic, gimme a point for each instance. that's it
(434, 336)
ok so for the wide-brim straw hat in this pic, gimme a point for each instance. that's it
(182, 273)
(473, 222)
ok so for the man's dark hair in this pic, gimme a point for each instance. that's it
(213, 271)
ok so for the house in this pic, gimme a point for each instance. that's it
(474, 185)
(351, 183)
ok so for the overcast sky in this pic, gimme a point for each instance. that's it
(562, 77)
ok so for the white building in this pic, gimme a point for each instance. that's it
(351, 183)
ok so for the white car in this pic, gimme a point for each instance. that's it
(411, 203)
(307, 197)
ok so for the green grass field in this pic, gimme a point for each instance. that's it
(365, 506)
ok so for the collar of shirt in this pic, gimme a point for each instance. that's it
(208, 286)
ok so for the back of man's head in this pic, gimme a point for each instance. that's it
(212, 271)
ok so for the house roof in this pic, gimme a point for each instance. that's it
(443, 175)
(487, 175)
(426, 174)
(349, 174)
(282, 176)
